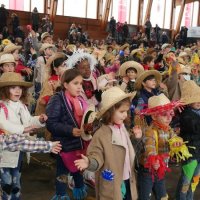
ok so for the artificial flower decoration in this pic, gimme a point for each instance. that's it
(108, 175)
(5, 42)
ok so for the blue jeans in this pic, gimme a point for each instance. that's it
(146, 185)
(186, 188)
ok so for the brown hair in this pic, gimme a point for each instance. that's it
(69, 75)
(108, 115)
(5, 94)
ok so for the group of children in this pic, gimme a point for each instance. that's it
(99, 123)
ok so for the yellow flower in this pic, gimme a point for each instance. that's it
(6, 42)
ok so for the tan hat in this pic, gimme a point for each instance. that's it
(7, 58)
(134, 51)
(180, 60)
(54, 57)
(130, 64)
(145, 74)
(112, 96)
(11, 47)
(87, 120)
(190, 92)
(71, 47)
(165, 45)
(159, 104)
(182, 54)
(184, 69)
(45, 46)
(124, 46)
(12, 79)
(44, 35)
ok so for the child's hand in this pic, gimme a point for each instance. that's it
(137, 131)
(30, 129)
(83, 163)
(156, 165)
(77, 132)
(125, 79)
(43, 118)
(56, 147)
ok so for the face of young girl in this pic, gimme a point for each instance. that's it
(15, 93)
(164, 118)
(8, 67)
(120, 114)
(74, 87)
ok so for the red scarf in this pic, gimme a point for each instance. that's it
(76, 107)
(161, 126)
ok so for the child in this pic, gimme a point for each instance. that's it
(148, 62)
(65, 111)
(156, 148)
(129, 71)
(189, 131)
(14, 118)
(7, 63)
(110, 142)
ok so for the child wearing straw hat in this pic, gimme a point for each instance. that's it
(15, 118)
(189, 131)
(114, 180)
(129, 71)
(154, 157)
(7, 63)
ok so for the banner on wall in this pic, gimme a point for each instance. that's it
(193, 32)
(122, 10)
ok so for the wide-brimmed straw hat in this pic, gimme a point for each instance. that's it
(184, 69)
(44, 35)
(13, 79)
(159, 104)
(54, 57)
(87, 122)
(134, 51)
(7, 58)
(124, 46)
(11, 47)
(145, 74)
(190, 92)
(130, 64)
(110, 97)
(45, 46)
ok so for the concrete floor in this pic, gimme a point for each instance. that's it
(38, 180)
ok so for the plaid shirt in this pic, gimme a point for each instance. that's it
(16, 142)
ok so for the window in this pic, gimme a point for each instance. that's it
(71, 8)
(6, 3)
(134, 12)
(178, 8)
(60, 8)
(157, 9)
(144, 10)
(195, 13)
(168, 6)
(39, 6)
(16, 5)
(92, 9)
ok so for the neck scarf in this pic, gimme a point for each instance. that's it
(76, 107)
(161, 126)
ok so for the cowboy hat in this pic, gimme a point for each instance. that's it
(134, 51)
(54, 57)
(144, 75)
(71, 47)
(45, 46)
(11, 47)
(7, 58)
(190, 92)
(124, 46)
(130, 64)
(86, 123)
(44, 35)
(159, 104)
(184, 69)
(12, 79)
(165, 45)
(112, 96)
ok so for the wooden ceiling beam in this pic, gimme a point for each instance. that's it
(148, 11)
(53, 10)
(106, 11)
(140, 12)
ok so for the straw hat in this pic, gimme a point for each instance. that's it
(145, 74)
(134, 51)
(182, 54)
(45, 46)
(54, 57)
(159, 104)
(124, 46)
(86, 124)
(190, 92)
(180, 60)
(7, 58)
(11, 47)
(184, 69)
(110, 46)
(12, 78)
(44, 35)
(110, 97)
(165, 45)
(130, 64)
(71, 47)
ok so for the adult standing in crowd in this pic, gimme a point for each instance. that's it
(3, 16)
(35, 19)
(148, 27)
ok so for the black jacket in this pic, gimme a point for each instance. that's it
(190, 130)
(61, 122)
